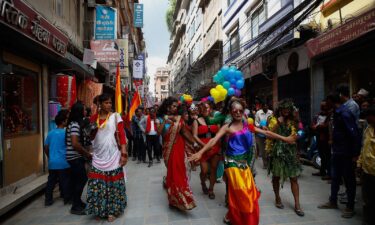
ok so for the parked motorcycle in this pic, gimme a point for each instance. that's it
(310, 155)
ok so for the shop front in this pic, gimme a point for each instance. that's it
(344, 55)
(29, 48)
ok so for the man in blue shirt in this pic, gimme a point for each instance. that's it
(346, 146)
(58, 167)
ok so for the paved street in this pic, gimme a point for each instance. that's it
(148, 204)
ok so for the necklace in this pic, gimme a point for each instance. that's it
(103, 124)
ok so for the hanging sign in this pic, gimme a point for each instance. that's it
(138, 69)
(105, 51)
(123, 56)
(105, 24)
(138, 15)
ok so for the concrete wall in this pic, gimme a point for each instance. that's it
(70, 23)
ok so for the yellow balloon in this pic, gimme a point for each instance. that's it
(250, 121)
(219, 87)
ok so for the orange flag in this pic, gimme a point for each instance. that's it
(118, 97)
(136, 102)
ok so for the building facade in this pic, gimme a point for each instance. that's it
(162, 83)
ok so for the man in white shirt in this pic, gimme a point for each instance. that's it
(149, 124)
(261, 118)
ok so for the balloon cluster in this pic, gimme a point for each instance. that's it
(229, 82)
(206, 99)
(186, 99)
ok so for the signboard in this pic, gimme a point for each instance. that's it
(105, 24)
(123, 56)
(274, 19)
(105, 51)
(138, 15)
(20, 17)
(138, 69)
(341, 35)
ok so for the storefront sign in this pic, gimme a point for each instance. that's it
(105, 24)
(123, 54)
(342, 34)
(105, 51)
(138, 15)
(138, 69)
(20, 17)
(282, 28)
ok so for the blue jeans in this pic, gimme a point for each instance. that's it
(343, 168)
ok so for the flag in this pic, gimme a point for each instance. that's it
(118, 99)
(127, 102)
(136, 102)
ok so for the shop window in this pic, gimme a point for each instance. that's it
(21, 102)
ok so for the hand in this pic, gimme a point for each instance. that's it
(265, 128)
(291, 139)
(123, 160)
(195, 157)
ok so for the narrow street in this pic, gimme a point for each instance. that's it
(147, 204)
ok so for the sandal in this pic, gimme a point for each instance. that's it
(299, 212)
(226, 220)
(279, 205)
(204, 188)
(111, 218)
(211, 194)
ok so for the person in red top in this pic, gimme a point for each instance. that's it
(152, 137)
(106, 192)
(203, 134)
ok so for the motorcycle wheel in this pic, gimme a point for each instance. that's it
(316, 161)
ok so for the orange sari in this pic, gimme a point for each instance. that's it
(177, 183)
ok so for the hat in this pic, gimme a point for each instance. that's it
(363, 92)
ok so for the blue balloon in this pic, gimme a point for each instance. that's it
(232, 74)
(263, 123)
(210, 98)
(224, 70)
(238, 75)
(233, 81)
(240, 84)
(215, 78)
(233, 67)
(226, 85)
(231, 91)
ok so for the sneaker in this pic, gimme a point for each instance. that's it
(328, 205)
(79, 211)
(48, 203)
(348, 213)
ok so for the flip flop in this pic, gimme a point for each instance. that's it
(299, 212)
(279, 205)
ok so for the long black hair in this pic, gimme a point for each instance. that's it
(76, 115)
(163, 109)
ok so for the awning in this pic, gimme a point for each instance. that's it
(342, 35)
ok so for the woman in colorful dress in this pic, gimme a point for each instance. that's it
(243, 208)
(284, 162)
(106, 186)
(203, 133)
(175, 134)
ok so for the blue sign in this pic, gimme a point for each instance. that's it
(105, 24)
(138, 15)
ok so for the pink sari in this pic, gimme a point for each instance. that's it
(177, 183)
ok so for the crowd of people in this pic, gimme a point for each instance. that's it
(223, 139)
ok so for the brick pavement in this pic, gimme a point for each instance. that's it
(147, 204)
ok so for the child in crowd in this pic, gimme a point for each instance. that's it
(58, 167)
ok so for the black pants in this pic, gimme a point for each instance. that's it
(368, 195)
(343, 167)
(139, 148)
(63, 178)
(78, 181)
(130, 144)
(152, 146)
(325, 154)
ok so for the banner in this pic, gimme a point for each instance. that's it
(138, 69)
(105, 51)
(105, 24)
(123, 57)
(138, 15)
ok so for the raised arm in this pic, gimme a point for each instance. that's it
(290, 139)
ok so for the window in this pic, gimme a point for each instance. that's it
(163, 80)
(234, 42)
(273, 7)
(162, 87)
(59, 7)
(230, 2)
(21, 102)
(257, 18)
